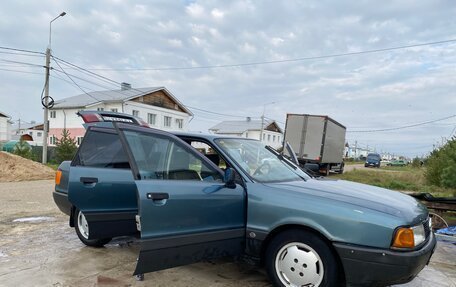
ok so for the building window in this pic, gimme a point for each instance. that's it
(52, 114)
(180, 123)
(167, 121)
(269, 138)
(273, 138)
(264, 136)
(31, 133)
(52, 140)
(39, 134)
(80, 140)
(151, 118)
(100, 109)
(114, 110)
(135, 113)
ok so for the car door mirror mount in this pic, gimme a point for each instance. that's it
(229, 178)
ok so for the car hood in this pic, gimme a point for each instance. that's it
(363, 195)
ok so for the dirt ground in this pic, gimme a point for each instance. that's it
(16, 168)
(38, 248)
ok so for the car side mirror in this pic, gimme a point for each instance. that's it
(229, 177)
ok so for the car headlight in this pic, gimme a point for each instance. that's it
(409, 237)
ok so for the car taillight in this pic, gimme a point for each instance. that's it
(90, 118)
(58, 177)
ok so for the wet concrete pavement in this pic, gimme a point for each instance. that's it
(40, 249)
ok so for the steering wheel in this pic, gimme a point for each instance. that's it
(265, 168)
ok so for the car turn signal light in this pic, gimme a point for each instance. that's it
(58, 176)
(404, 238)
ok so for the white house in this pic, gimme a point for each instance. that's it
(356, 151)
(31, 132)
(156, 105)
(5, 127)
(272, 134)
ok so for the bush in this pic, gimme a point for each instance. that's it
(65, 147)
(441, 165)
(23, 149)
(416, 162)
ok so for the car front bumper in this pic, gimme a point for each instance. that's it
(365, 266)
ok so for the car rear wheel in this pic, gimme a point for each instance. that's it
(82, 230)
(300, 258)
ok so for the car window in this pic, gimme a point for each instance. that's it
(209, 153)
(102, 149)
(160, 157)
(259, 162)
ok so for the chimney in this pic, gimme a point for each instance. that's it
(249, 119)
(125, 86)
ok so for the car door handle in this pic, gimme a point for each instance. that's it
(89, 180)
(157, 196)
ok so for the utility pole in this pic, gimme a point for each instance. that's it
(46, 103)
(45, 100)
(356, 150)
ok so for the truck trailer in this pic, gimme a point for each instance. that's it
(317, 141)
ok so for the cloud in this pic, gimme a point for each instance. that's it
(374, 90)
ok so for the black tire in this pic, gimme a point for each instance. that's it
(325, 271)
(79, 219)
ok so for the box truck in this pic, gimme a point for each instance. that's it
(317, 141)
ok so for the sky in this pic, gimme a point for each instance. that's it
(194, 49)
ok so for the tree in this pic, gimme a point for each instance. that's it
(23, 149)
(441, 165)
(65, 147)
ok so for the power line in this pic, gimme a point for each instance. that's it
(19, 62)
(82, 79)
(21, 50)
(17, 71)
(402, 127)
(90, 72)
(215, 113)
(75, 82)
(280, 61)
(21, 54)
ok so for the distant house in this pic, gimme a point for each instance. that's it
(5, 127)
(248, 128)
(356, 151)
(157, 106)
(31, 132)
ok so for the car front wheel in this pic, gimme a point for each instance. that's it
(82, 230)
(300, 258)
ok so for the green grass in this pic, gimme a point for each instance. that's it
(397, 178)
(54, 166)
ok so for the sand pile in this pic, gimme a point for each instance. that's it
(16, 168)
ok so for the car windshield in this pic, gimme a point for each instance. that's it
(373, 157)
(259, 162)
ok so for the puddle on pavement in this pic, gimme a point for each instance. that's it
(34, 219)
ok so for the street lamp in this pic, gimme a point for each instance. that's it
(45, 100)
(50, 25)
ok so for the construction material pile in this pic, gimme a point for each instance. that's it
(16, 168)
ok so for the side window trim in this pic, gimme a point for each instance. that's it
(133, 165)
